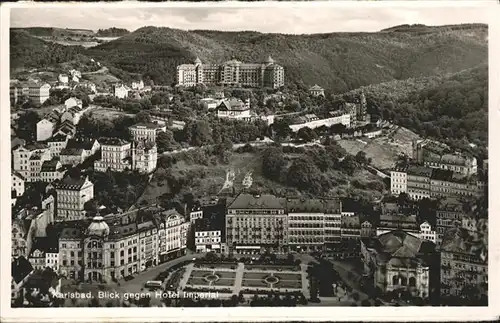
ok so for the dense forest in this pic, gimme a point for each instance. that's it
(339, 61)
(452, 109)
(112, 32)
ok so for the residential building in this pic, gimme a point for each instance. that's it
(76, 73)
(73, 102)
(399, 180)
(446, 183)
(22, 154)
(17, 183)
(21, 270)
(39, 92)
(398, 261)
(66, 128)
(209, 103)
(73, 115)
(418, 182)
(86, 85)
(232, 73)
(449, 214)
(72, 156)
(195, 213)
(35, 165)
(72, 194)
(57, 143)
(144, 156)
(234, 109)
(426, 232)
(438, 155)
(306, 229)
(464, 265)
(44, 130)
(121, 91)
(391, 222)
(209, 230)
(146, 131)
(317, 90)
(175, 239)
(255, 223)
(45, 253)
(89, 146)
(115, 155)
(51, 170)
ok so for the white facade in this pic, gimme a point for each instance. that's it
(71, 197)
(17, 183)
(138, 85)
(426, 232)
(56, 146)
(146, 131)
(44, 130)
(176, 229)
(207, 241)
(121, 92)
(21, 158)
(344, 119)
(113, 157)
(63, 78)
(39, 93)
(398, 182)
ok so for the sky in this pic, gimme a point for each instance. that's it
(289, 20)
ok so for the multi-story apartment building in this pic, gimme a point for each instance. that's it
(367, 230)
(115, 155)
(255, 223)
(71, 195)
(72, 156)
(44, 130)
(57, 143)
(89, 146)
(312, 121)
(119, 155)
(449, 214)
(306, 223)
(121, 91)
(146, 131)
(464, 265)
(117, 245)
(45, 253)
(426, 233)
(22, 154)
(424, 182)
(39, 92)
(209, 230)
(391, 222)
(232, 73)
(437, 155)
(51, 171)
(35, 165)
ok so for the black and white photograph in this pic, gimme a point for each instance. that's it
(246, 155)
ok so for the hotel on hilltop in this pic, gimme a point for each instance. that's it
(232, 73)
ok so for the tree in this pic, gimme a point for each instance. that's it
(143, 117)
(307, 134)
(361, 158)
(304, 175)
(165, 141)
(403, 199)
(273, 163)
(27, 125)
(197, 133)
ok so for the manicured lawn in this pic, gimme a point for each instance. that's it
(254, 283)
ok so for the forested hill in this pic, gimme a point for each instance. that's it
(452, 109)
(112, 32)
(339, 62)
(27, 51)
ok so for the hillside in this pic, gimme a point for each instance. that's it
(449, 108)
(337, 61)
(27, 52)
(112, 32)
(55, 32)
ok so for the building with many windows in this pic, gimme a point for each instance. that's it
(209, 231)
(45, 253)
(57, 143)
(256, 223)
(115, 155)
(449, 214)
(44, 130)
(144, 156)
(398, 261)
(232, 73)
(234, 109)
(464, 265)
(71, 195)
(146, 131)
(22, 154)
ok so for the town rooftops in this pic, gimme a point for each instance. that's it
(85, 144)
(149, 125)
(350, 221)
(69, 183)
(50, 165)
(72, 152)
(450, 205)
(329, 206)
(14, 173)
(460, 240)
(36, 145)
(264, 201)
(45, 245)
(71, 233)
(455, 159)
(113, 142)
(58, 138)
(36, 156)
(421, 171)
(233, 104)
(20, 269)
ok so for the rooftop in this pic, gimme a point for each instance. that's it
(20, 268)
(316, 87)
(50, 165)
(459, 240)
(150, 125)
(85, 144)
(331, 206)
(419, 171)
(113, 142)
(45, 245)
(233, 104)
(72, 151)
(264, 201)
(69, 183)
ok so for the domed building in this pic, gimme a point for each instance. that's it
(398, 261)
(97, 233)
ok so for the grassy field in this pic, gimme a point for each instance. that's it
(383, 150)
